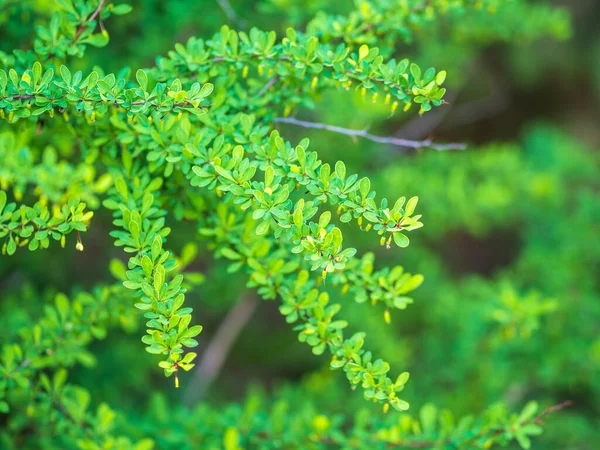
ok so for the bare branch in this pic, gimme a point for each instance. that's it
(230, 13)
(218, 348)
(268, 86)
(427, 143)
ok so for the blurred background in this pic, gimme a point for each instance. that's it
(510, 307)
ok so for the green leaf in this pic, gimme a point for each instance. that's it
(411, 205)
(65, 73)
(67, 5)
(121, 9)
(206, 90)
(400, 239)
(97, 40)
(262, 227)
(365, 187)
(415, 71)
(2, 201)
(142, 79)
(440, 77)
(11, 247)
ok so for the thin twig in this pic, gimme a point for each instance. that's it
(364, 134)
(218, 348)
(90, 19)
(230, 13)
(268, 86)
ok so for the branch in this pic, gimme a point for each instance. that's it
(218, 348)
(380, 139)
(90, 19)
(230, 13)
(268, 86)
(431, 444)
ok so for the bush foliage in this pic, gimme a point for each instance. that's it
(193, 170)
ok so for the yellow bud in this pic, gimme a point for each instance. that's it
(374, 98)
(180, 115)
(51, 112)
(1, 114)
(363, 92)
(245, 72)
(176, 380)
(345, 288)
(150, 119)
(394, 107)
(324, 274)
(314, 82)
(261, 69)
(66, 116)
(407, 106)
(79, 246)
(287, 111)
(386, 408)
(382, 240)
(368, 227)
(11, 116)
(93, 116)
(268, 190)
(388, 98)
(294, 168)
(387, 316)
(63, 241)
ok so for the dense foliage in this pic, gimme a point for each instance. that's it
(194, 170)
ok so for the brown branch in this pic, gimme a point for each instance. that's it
(90, 19)
(219, 347)
(427, 143)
